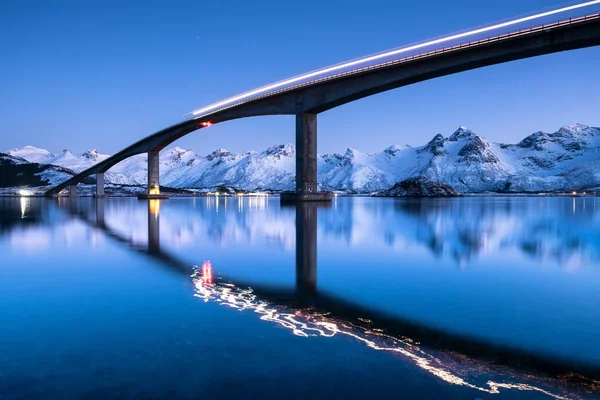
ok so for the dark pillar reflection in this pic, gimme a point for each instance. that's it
(154, 226)
(100, 205)
(73, 205)
(306, 246)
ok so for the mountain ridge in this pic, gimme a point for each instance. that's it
(563, 160)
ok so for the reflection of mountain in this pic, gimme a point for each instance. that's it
(328, 316)
(220, 220)
(34, 225)
(564, 230)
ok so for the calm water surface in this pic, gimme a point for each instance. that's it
(201, 298)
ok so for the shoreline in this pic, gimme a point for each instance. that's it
(335, 195)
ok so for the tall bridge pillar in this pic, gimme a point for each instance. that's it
(100, 184)
(153, 178)
(306, 153)
(73, 190)
(306, 162)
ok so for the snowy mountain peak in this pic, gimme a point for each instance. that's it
(30, 148)
(569, 138)
(461, 133)
(578, 132)
(575, 128)
(478, 151)
(435, 146)
(534, 141)
(350, 153)
(91, 155)
(284, 150)
(393, 149)
(176, 153)
(218, 154)
(178, 149)
(30, 153)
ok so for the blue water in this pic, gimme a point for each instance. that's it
(198, 298)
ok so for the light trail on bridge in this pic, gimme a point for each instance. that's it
(378, 56)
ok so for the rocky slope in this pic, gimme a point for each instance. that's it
(18, 172)
(568, 159)
(419, 187)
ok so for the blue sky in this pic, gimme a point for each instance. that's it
(83, 75)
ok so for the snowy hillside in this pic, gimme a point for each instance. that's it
(568, 159)
(18, 172)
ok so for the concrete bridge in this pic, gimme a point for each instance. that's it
(307, 99)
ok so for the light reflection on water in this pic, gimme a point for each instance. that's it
(467, 233)
(452, 368)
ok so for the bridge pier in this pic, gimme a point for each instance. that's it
(306, 162)
(153, 178)
(73, 191)
(100, 185)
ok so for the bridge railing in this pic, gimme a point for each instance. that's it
(474, 37)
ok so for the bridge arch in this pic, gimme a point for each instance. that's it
(307, 100)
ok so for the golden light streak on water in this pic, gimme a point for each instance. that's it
(154, 207)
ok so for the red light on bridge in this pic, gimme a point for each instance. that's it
(207, 276)
(206, 124)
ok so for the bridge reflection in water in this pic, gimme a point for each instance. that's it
(306, 312)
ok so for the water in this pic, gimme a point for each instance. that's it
(240, 297)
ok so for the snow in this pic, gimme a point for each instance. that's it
(31, 154)
(564, 160)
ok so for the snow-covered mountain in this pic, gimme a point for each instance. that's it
(18, 172)
(568, 159)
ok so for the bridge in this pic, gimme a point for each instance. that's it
(308, 95)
